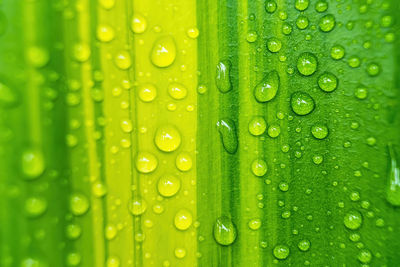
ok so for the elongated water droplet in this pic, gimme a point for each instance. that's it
(224, 231)
(393, 187)
(267, 89)
(223, 76)
(32, 163)
(163, 53)
(302, 103)
(227, 131)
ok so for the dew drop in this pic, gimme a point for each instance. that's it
(254, 224)
(105, 33)
(227, 131)
(33, 164)
(361, 92)
(257, 125)
(327, 23)
(73, 231)
(139, 23)
(167, 138)
(286, 28)
(184, 162)
(163, 53)
(321, 6)
(319, 131)
(317, 159)
(274, 44)
(353, 220)
(107, 4)
(177, 91)
(364, 256)
(270, 6)
(137, 206)
(373, 69)
(168, 185)
(304, 245)
(193, 33)
(99, 189)
(259, 167)
(224, 231)
(274, 130)
(123, 60)
(354, 62)
(146, 162)
(81, 52)
(302, 103)
(113, 262)
(281, 252)
(302, 22)
(337, 52)
(147, 92)
(251, 36)
(38, 57)
(78, 204)
(223, 76)
(267, 89)
(307, 64)
(301, 5)
(35, 206)
(327, 82)
(180, 253)
(183, 219)
(393, 186)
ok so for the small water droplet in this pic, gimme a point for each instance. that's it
(254, 224)
(327, 82)
(224, 231)
(321, 6)
(168, 185)
(304, 245)
(35, 206)
(193, 33)
(251, 36)
(302, 22)
(107, 4)
(78, 204)
(227, 131)
(301, 5)
(281, 252)
(364, 256)
(274, 130)
(223, 76)
(183, 219)
(184, 161)
(274, 44)
(73, 231)
(105, 33)
(318, 159)
(259, 167)
(146, 162)
(373, 69)
(123, 60)
(354, 62)
(361, 92)
(267, 89)
(319, 131)
(38, 57)
(307, 64)
(257, 125)
(353, 220)
(270, 6)
(393, 186)
(163, 53)
(286, 28)
(147, 92)
(337, 52)
(139, 23)
(81, 52)
(180, 253)
(327, 23)
(137, 206)
(8, 97)
(33, 164)
(302, 103)
(167, 138)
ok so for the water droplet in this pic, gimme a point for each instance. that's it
(353, 220)
(302, 22)
(251, 36)
(137, 206)
(270, 6)
(78, 204)
(184, 161)
(223, 76)
(224, 231)
(33, 164)
(183, 219)
(193, 33)
(33, 262)
(267, 89)
(123, 60)
(73, 231)
(81, 52)
(274, 44)
(327, 82)
(167, 138)
(147, 92)
(8, 97)
(371, 141)
(110, 232)
(113, 262)
(107, 4)
(393, 186)
(286, 28)
(227, 131)
(365, 256)
(337, 52)
(321, 6)
(177, 91)
(327, 23)
(180, 253)
(281, 252)
(168, 185)
(373, 69)
(307, 64)
(274, 130)
(163, 53)
(283, 186)
(318, 159)
(146, 162)
(105, 33)
(257, 126)
(126, 126)
(35, 206)
(301, 5)
(302, 103)
(254, 224)
(73, 259)
(304, 245)
(319, 131)
(38, 57)
(361, 93)
(354, 62)
(99, 189)
(139, 23)
(259, 167)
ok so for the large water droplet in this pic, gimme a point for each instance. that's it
(33, 164)
(163, 53)
(224, 231)
(302, 103)
(267, 89)
(139, 23)
(307, 64)
(353, 220)
(227, 131)
(393, 187)
(223, 76)
(167, 138)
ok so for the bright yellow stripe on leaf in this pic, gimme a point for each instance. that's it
(172, 19)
